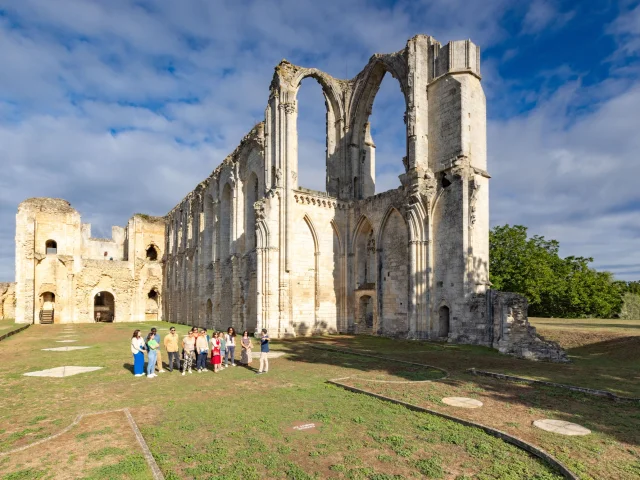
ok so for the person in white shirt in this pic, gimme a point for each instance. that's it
(137, 348)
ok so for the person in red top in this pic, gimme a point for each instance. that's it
(216, 357)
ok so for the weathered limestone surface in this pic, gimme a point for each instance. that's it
(252, 248)
(7, 300)
(512, 333)
(64, 275)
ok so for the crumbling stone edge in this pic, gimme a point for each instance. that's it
(157, 473)
(588, 391)
(13, 332)
(353, 352)
(532, 449)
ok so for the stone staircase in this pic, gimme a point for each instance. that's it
(46, 317)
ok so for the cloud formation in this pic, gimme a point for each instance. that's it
(123, 106)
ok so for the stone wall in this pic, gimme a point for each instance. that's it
(7, 300)
(63, 271)
(512, 333)
(252, 248)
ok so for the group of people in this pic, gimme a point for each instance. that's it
(197, 347)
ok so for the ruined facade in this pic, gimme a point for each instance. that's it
(252, 248)
(63, 275)
(7, 300)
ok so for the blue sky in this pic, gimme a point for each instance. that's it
(124, 106)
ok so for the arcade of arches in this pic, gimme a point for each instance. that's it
(253, 248)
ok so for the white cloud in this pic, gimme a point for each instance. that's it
(182, 82)
(576, 183)
(626, 28)
(543, 15)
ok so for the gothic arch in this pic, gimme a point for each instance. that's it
(393, 267)
(417, 216)
(225, 221)
(367, 88)
(251, 193)
(390, 211)
(444, 319)
(314, 233)
(364, 250)
(304, 278)
(331, 94)
(363, 220)
(336, 231)
(262, 234)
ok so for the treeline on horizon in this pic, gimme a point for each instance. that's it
(554, 286)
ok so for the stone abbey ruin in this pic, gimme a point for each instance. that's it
(249, 247)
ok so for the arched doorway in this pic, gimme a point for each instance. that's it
(209, 314)
(151, 309)
(366, 315)
(104, 307)
(47, 307)
(152, 253)
(443, 331)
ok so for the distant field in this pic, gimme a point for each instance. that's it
(621, 327)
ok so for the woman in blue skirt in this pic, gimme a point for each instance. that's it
(137, 348)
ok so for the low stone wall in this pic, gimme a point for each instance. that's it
(513, 335)
(13, 332)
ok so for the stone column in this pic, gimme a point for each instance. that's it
(290, 166)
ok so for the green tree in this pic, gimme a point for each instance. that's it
(554, 286)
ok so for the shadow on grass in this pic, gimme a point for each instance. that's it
(618, 420)
(621, 349)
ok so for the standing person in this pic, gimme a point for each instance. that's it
(216, 359)
(247, 346)
(202, 348)
(171, 346)
(264, 352)
(188, 351)
(223, 348)
(230, 338)
(152, 355)
(137, 348)
(156, 337)
(208, 339)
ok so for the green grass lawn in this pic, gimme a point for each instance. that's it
(7, 325)
(236, 424)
